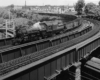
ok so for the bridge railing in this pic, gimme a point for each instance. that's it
(60, 56)
(24, 60)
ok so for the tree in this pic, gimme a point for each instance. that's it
(11, 6)
(79, 6)
(30, 23)
(99, 3)
(90, 8)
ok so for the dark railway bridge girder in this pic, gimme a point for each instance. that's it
(94, 53)
(51, 66)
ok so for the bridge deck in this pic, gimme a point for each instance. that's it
(71, 45)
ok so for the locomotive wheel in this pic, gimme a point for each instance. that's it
(14, 42)
(61, 32)
(54, 35)
(40, 38)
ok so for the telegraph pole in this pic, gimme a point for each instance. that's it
(9, 25)
(6, 28)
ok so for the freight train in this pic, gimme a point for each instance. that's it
(91, 17)
(42, 30)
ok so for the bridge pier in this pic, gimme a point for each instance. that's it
(75, 71)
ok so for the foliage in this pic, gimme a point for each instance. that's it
(2, 20)
(91, 8)
(21, 22)
(11, 6)
(99, 3)
(79, 6)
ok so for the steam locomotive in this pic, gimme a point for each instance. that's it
(42, 30)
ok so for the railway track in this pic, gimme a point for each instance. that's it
(9, 41)
(56, 40)
(6, 43)
(13, 64)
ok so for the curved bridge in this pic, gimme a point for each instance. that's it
(48, 63)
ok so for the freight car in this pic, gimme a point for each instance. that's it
(92, 69)
(42, 30)
(90, 16)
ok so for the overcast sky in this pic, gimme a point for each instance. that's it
(42, 2)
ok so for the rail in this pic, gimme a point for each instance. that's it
(22, 61)
(9, 41)
(27, 59)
